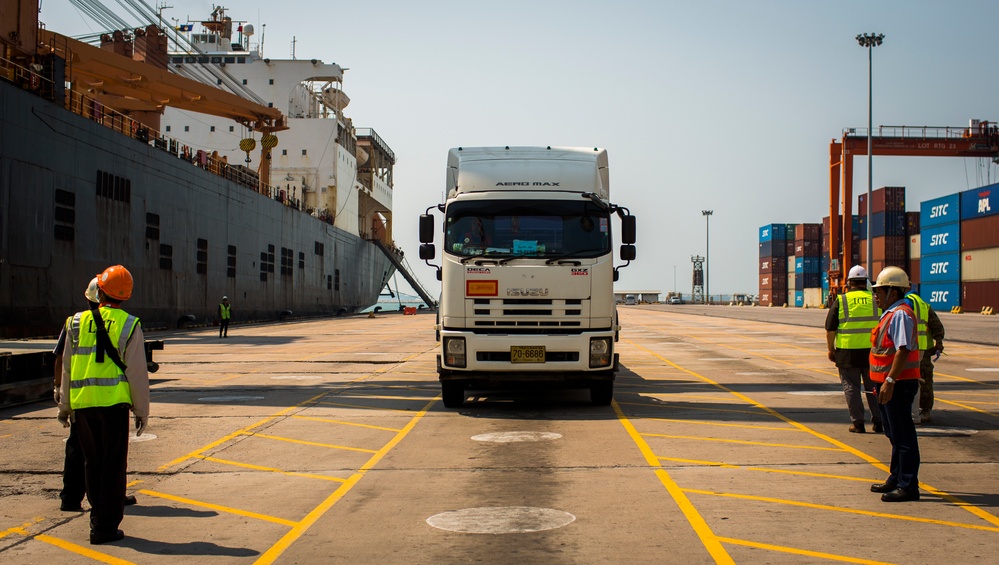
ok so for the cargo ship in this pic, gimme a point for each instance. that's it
(127, 153)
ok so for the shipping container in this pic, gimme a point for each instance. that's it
(977, 202)
(813, 297)
(775, 299)
(940, 268)
(913, 271)
(789, 247)
(980, 265)
(911, 223)
(860, 228)
(943, 210)
(766, 248)
(914, 246)
(891, 223)
(941, 296)
(806, 265)
(773, 280)
(789, 230)
(890, 249)
(980, 233)
(799, 298)
(773, 231)
(943, 238)
(807, 232)
(886, 198)
(792, 262)
(805, 280)
(807, 248)
(976, 295)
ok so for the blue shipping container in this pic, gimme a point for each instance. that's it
(773, 231)
(766, 248)
(976, 203)
(941, 296)
(789, 231)
(860, 227)
(943, 210)
(887, 223)
(944, 238)
(941, 268)
(799, 298)
(805, 265)
(807, 280)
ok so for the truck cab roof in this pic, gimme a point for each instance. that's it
(555, 169)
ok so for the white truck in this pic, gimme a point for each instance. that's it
(527, 274)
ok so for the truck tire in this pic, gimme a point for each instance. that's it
(601, 393)
(453, 393)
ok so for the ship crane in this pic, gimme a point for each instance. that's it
(980, 139)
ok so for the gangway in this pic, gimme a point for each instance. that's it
(979, 139)
(402, 267)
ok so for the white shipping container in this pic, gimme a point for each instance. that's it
(980, 265)
(914, 246)
(813, 297)
(790, 265)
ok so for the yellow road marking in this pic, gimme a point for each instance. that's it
(681, 406)
(966, 407)
(386, 397)
(765, 469)
(805, 552)
(226, 509)
(6, 436)
(21, 530)
(79, 549)
(694, 518)
(363, 407)
(743, 442)
(722, 424)
(269, 469)
(278, 548)
(842, 509)
(316, 444)
(344, 423)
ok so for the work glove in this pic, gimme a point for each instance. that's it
(64, 417)
(57, 394)
(140, 424)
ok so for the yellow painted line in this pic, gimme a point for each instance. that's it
(965, 406)
(804, 552)
(744, 442)
(285, 542)
(385, 397)
(363, 407)
(966, 393)
(219, 508)
(21, 530)
(681, 406)
(787, 502)
(722, 424)
(84, 551)
(6, 436)
(694, 518)
(313, 443)
(766, 469)
(270, 469)
(344, 423)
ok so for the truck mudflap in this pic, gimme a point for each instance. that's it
(455, 383)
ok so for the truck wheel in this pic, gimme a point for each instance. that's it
(601, 393)
(453, 393)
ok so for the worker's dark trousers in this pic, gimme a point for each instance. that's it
(74, 486)
(224, 327)
(896, 416)
(104, 438)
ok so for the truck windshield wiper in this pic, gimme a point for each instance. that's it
(473, 257)
(571, 253)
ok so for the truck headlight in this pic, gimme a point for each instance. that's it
(600, 352)
(454, 351)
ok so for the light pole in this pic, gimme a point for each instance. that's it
(870, 41)
(707, 249)
(674, 279)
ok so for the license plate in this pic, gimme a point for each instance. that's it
(527, 354)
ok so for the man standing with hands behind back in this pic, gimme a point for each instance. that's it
(104, 375)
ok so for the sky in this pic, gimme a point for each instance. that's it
(723, 105)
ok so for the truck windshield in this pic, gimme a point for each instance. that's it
(531, 228)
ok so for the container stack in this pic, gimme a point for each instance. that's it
(789, 232)
(979, 249)
(773, 265)
(826, 257)
(888, 224)
(807, 265)
(940, 252)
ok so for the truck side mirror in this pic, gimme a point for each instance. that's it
(627, 252)
(426, 231)
(427, 250)
(628, 229)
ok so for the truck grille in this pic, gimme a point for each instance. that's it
(527, 315)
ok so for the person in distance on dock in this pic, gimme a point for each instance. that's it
(848, 336)
(74, 486)
(104, 375)
(225, 314)
(928, 325)
(895, 369)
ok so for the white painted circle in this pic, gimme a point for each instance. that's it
(146, 436)
(297, 377)
(517, 437)
(924, 431)
(817, 392)
(984, 370)
(501, 520)
(229, 398)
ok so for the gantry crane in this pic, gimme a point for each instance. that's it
(980, 139)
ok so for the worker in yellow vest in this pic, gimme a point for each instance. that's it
(848, 336)
(928, 328)
(225, 314)
(105, 376)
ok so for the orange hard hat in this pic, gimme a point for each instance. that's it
(116, 282)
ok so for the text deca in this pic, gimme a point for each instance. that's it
(939, 295)
(939, 268)
(939, 211)
(939, 239)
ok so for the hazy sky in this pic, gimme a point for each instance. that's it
(722, 105)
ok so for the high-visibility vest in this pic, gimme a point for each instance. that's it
(224, 310)
(94, 384)
(883, 349)
(922, 314)
(858, 315)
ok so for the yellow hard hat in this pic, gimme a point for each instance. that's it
(892, 276)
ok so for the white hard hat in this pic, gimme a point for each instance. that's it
(857, 273)
(225, 298)
(892, 276)
(91, 292)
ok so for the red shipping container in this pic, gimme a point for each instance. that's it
(776, 299)
(980, 233)
(773, 264)
(891, 249)
(807, 248)
(913, 271)
(976, 295)
(807, 231)
(790, 247)
(773, 280)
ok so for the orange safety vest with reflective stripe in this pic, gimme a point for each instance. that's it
(883, 349)
(94, 384)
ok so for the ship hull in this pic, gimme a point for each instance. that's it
(76, 196)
